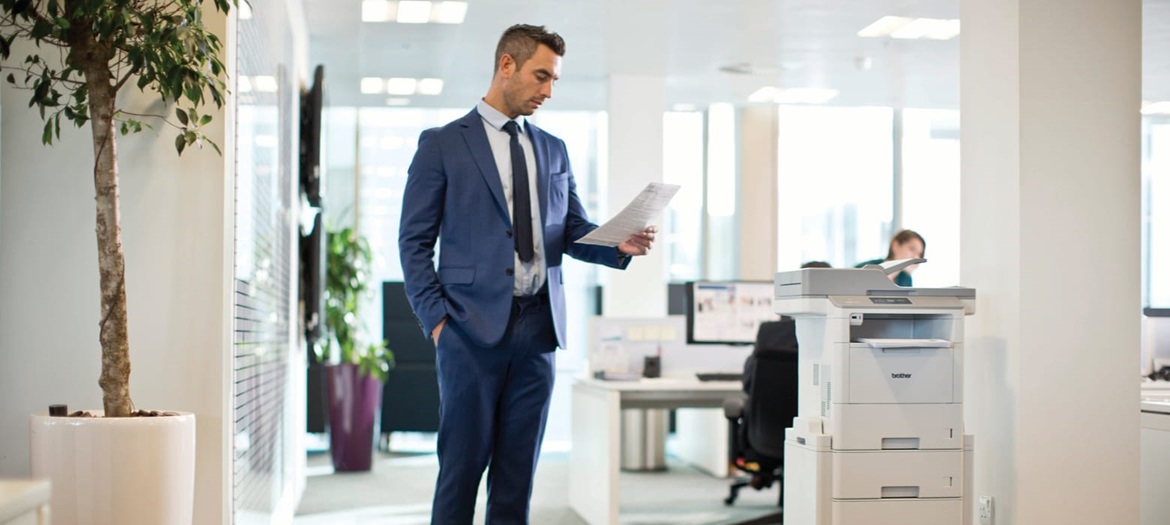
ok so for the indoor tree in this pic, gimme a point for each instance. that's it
(87, 52)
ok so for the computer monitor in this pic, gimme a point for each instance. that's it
(728, 312)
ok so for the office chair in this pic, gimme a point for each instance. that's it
(767, 407)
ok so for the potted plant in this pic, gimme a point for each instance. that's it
(113, 467)
(355, 369)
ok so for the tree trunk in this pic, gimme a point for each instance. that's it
(115, 340)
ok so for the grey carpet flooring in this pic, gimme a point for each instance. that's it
(399, 488)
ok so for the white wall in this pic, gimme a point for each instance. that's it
(1050, 240)
(176, 228)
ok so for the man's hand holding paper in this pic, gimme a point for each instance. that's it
(630, 229)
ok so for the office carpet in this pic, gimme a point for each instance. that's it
(398, 491)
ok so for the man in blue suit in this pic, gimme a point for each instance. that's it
(500, 194)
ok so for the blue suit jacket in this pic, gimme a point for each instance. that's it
(453, 193)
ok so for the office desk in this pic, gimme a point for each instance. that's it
(1155, 456)
(596, 432)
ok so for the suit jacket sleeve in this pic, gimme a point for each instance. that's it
(422, 216)
(577, 225)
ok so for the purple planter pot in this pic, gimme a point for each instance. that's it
(353, 405)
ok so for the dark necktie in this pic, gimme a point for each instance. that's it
(521, 201)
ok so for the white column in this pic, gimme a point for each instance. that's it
(758, 129)
(636, 104)
(636, 100)
(1050, 239)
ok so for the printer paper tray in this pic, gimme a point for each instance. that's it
(905, 343)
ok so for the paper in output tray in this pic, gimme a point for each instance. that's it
(906, 343)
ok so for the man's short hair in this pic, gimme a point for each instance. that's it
(520, 42)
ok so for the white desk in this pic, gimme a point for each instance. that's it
(24, 502)
(1155, 457)
(596, 432)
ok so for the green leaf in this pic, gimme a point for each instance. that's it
(40, 29)
(11, 79)
(61, 22)
(180, 143)
(205, 120)
(125, 128)
(47, 135)
(182, 115)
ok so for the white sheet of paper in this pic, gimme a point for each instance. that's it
(635, 217)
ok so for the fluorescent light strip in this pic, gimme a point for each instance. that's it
(884, 26)
(904, 28)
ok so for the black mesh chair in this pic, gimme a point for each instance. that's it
(767, 407)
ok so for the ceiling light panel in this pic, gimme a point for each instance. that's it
(377, 11)
(373, 85)
(414, 12)
(430, 86)
(401, 86)
(449, 12)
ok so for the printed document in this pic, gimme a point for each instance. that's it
(635, 217)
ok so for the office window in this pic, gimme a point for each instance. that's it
(722, 198)
(835, 184)
(585, 136)
(682, 164)
(1156, 211)
(930, 190)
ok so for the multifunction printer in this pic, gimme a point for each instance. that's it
(879, 438)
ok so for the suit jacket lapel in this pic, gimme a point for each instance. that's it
(481, 151)
(540, 149)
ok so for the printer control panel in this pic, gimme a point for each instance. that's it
(890, 300)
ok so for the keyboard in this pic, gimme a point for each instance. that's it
(719, 376)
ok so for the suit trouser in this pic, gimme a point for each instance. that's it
(493, 404)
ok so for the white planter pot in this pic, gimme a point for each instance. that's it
(117, 471)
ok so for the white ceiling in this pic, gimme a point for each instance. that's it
(789, 43)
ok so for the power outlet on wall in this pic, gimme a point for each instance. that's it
(986, 510)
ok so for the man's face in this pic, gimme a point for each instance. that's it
(526, 88)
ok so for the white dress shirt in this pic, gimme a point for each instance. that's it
(530, 276)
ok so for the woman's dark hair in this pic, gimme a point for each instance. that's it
(903, 237)
(520, 41)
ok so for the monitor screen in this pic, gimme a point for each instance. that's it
(728, 312)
